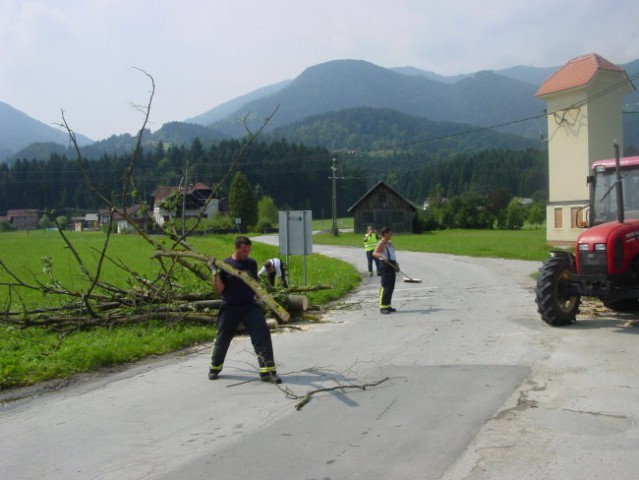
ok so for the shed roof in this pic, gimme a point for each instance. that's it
(578, 72)
(375, 187)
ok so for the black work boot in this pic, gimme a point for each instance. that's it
(271, 377)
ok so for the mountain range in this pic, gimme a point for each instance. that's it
(480, 100)
(17, 130)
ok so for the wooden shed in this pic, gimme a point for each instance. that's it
(383, 206)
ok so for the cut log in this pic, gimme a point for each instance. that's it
(297, 303)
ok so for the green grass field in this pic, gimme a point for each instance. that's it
(32, 355)
(525, 244)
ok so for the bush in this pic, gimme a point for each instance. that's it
(267, 212)
(6, 227)
(425, 221)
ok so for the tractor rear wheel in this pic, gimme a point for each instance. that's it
(556, 305)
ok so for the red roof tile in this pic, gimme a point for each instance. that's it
(578, 72)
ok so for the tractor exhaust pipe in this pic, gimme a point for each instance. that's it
(620, 208)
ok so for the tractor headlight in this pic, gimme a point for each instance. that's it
(584, 247)
(600, 247)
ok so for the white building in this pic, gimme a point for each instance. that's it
(585, 99)
(168, 203)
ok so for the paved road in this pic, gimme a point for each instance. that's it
(470, 385)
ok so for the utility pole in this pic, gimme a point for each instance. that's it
(334, 229)
(184, 187)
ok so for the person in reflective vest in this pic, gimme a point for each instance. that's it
(370, 242)
(385, 252)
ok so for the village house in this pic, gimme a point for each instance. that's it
(89, 221)
(23, 219)
(168, 203)
(122, 225)
(383, 206)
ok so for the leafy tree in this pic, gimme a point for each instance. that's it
(62, 220)
(498, 200)
(267, 212)
(6, 227)
(243, 201)
(425, 221)
(536, 215)
(45, 222)
(515, 214)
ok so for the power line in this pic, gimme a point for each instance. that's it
(253, 167)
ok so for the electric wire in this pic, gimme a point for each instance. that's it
(256, 167)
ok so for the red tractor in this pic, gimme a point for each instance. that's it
(605, 264)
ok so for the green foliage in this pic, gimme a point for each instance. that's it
(293, 175)
(383, 129)
(45, 222)
(516, 214)
(536, 215)
(217, 222)
(469, 210)
(425, 221)
(62, 220)
(243, 201)
(6, 227)
(267, 212)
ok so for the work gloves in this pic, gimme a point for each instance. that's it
(212, 266)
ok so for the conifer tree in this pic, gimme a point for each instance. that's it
(243, 201)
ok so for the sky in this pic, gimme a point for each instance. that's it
(88, 58)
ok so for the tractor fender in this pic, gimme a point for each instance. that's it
(567, 256)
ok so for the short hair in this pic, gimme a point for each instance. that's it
(267, 264)
(242, 240)
(385, 230)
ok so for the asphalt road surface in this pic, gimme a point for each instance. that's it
(463, 382)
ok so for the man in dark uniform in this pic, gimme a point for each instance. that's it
(239, 305)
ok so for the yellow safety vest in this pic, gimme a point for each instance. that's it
(371, 242)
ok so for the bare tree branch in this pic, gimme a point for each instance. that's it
(104, 304)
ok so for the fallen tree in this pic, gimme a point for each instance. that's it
(102, 303)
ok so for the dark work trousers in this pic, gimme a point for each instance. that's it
(271, 277)
(388, 285)
(371, 259)
(253, 318)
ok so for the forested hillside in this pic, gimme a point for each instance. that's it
(387, 130)
(177, 133)
(295, 176)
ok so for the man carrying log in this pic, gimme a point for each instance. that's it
(239, 305)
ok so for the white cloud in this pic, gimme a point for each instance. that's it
(77, 54)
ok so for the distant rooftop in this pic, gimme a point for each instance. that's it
(578, 72)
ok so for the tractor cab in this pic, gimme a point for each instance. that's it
(605, 204)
